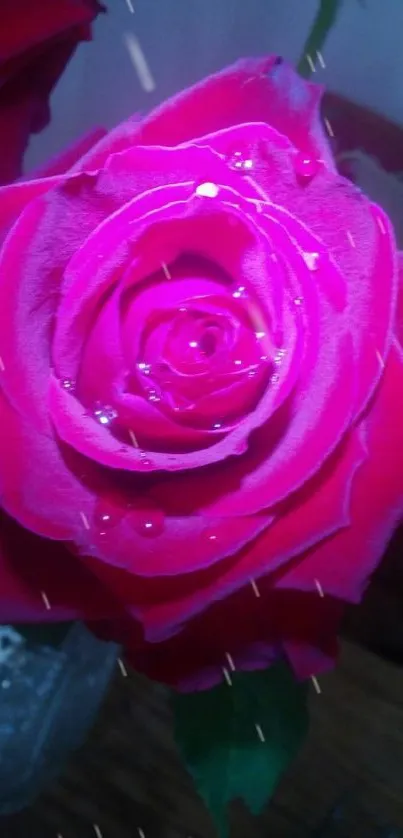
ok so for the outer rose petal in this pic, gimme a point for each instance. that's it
(66, 504)
(399, 313)
(357, 234)
(65, 161)
(31, 566)
(14, 199)
(163, 604)
(344, 562)
(252, 90)
(52, 505)
(253, 631)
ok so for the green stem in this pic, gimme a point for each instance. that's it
(325, 18)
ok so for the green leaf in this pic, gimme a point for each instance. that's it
(222, 747)
(325, 19)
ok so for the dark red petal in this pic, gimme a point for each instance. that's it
(243, 631)
(41, 581)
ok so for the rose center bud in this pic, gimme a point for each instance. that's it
(202, 359)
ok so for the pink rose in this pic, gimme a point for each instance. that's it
(201, 384)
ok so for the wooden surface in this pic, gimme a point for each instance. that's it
(128, 775)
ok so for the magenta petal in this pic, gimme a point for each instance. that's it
(30, 287)
(344, 563)
(315, 514)
(252, 90)
(399, 313)
(14, 198)
(36, 487)
(163, 550)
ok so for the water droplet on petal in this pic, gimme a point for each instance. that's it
(260, 335)
(145, 369)
(217, 426)
(104, 414)
(305, 167)
(207, 190)
(279, 356)
(312, 261)
(298, 301)
(148, 522)
(275, 378)
(240, 162)
(239, 292)
(210, 534)
(68, 384)
(153, 396)
(106, 516)
(144, 460)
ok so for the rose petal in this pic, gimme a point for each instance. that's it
(42, 582)
(399, 312)
(30, 286)
(14, 199)
(251, 633)
(53, 503)
(344, 563)
(319, 510)
(252, 90)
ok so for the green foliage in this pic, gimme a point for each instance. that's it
(217, 733)
(325, 19)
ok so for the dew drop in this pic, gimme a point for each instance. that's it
(275, 378)
(145, 369)
(305, 167)
(312, 261)
(210, 534)
(239, 292)
(153, 396)
(104, 414)
(148, 522)
(207, 190)
(106, 516)
(240, 162)
(252, 373)
(68, 384)
(298, 301)
(279, 356)
(144, 460)
(217, 426)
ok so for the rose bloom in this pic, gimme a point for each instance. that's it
(201, 384)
